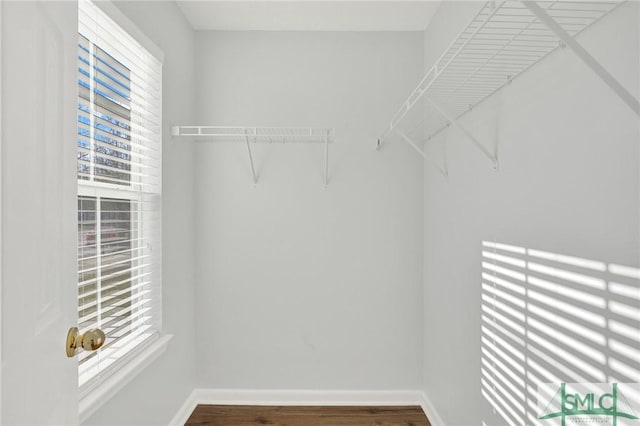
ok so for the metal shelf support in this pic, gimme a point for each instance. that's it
(468, 134)
(424, 155)
(585, 56)
(253, 169)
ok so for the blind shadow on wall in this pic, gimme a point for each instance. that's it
(554, 318)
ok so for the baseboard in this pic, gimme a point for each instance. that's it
(185, 410)
(304, 397)
(430, 410)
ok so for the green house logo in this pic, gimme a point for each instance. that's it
(589, 404)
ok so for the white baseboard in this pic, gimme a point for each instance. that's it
(306, 397)
(302, 397)
(430, 410)
(184, 412)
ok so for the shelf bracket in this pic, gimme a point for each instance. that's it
(253, 170)
(585, 56)
(468, 134)
(414, 145)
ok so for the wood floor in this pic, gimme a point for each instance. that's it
(244, 415)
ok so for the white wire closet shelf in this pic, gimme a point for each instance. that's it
(257, 134)
(249, 135)
(503, 40)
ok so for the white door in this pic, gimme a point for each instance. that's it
(39, 98)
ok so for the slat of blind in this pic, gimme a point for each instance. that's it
(135, 269)
(142, 124)
(116, 309)
(116, 265)
(90, 360)
(109, 162)
(133, 168)
(134, 154)
(90, 295)
(130, 148)
(116, 165)
(144, 201)
(139, 158)
(108, 324)
(135, 242)
(145, 82)
(96, 26)
(101, 264)
(113, 322)
(147, 187)
(124, 315)
(87, 294)
(121, 329)
(86, 359)
(101, 366)
(124, 331)
(114, 303)
(118, 328)
(127, 252)
(141, 75)
(116, 98)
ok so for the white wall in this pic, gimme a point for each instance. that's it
(568, 184)
(155, 395)
(298, 286)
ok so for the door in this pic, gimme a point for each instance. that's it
(39, 97)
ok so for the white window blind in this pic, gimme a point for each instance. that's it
(119, 193)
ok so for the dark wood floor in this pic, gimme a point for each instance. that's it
(243, 415)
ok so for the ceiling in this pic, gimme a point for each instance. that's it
(309, 15)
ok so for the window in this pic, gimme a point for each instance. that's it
(119, 193)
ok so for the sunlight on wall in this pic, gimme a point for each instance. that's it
(548, 317)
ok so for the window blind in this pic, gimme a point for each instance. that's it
(119, 193)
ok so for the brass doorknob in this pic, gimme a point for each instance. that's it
(90, 341)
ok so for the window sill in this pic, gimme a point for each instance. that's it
(96, 398)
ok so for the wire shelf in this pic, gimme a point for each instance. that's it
(256, 134)
(250, 135)
(503, 40)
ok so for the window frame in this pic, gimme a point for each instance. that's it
(95, 392)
